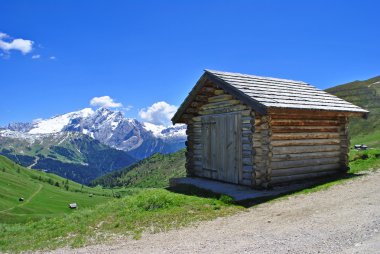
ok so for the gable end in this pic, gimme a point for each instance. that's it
(207, 76)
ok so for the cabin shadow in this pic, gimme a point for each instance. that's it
(287, 189)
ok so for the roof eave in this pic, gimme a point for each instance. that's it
(359, 113)
(257, 106)
(254, 104)
(177, 116)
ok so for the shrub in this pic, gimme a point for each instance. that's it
(226, 199)
(151, 201)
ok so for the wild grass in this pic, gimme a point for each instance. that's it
(139, 210)
(364, 160)
(371, 139)
(145, 210)
(45, 195)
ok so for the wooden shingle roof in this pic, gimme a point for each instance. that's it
(263, 93)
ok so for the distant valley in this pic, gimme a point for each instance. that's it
(86, 144)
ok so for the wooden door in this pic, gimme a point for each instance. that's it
(221, 147)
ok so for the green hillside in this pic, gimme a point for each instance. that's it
(365, 94)
(154, 171)
(45, 195)
(98, 217)
(71, 155)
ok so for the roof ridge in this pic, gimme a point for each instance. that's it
(254, 76)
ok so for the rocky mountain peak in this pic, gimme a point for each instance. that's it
(111, 128)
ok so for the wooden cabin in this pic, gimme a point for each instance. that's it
(261, 131)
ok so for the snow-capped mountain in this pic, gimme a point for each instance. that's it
(88, 143)
(110, 128)
(69, 154)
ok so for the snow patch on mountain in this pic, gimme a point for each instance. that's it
(155, 129)
(160, 131)
(18, 135)
(58, 123)
(108, 127)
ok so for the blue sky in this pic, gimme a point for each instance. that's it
(142, 52)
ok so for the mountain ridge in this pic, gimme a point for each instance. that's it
(70, 155)
(111, 128)
(86, 144)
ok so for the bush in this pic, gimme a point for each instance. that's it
(154, 201)
(364, 156)
(360, 156)
(226, 199)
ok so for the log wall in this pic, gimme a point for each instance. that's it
(305, 145)
(262, 151)
(283, 146)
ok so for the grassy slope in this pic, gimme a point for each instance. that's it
(70, 155)
(44, 221)
(154, 171)
(154, 209)
(42, 198)
(364, 160)
(151, 210)
(365, 94)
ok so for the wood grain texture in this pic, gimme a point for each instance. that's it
(282, 145)
(294, 122)
(305, 135)
(306, 170)
(306, 142)
(305, 149)
(301, 156)
(222, 147)
(317, 162)
(291, 178)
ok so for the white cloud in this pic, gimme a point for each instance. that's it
(105, 101)
(52, 58)
(4, 56)
(7, 44)
(159, 113)
(3, 35)
(127, 108)
(36, 56)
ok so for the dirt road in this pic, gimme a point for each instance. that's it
(342, 219)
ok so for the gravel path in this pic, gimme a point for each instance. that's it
(342, 219)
